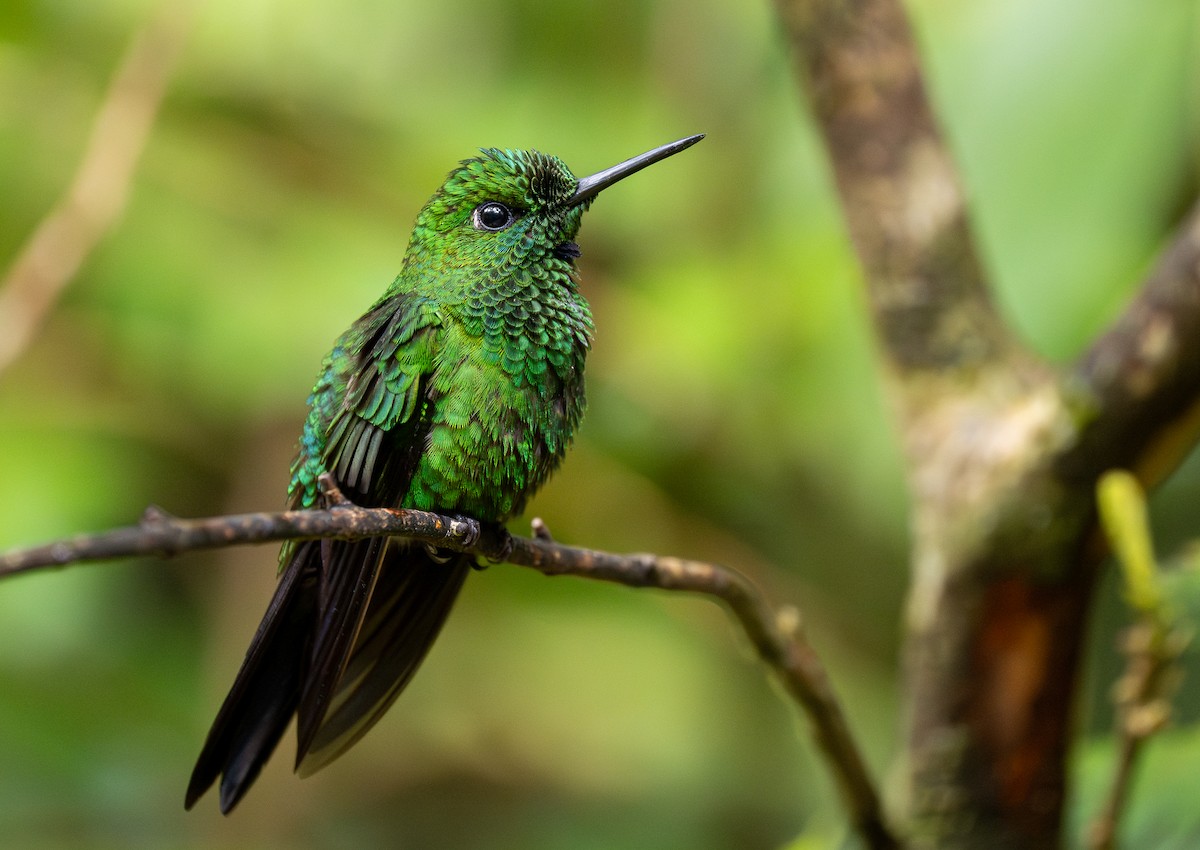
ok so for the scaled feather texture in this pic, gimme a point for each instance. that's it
(457, 392)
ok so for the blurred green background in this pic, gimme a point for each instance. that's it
(735, 410)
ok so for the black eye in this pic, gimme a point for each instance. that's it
(492, 215)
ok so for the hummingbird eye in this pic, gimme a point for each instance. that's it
(493, 216)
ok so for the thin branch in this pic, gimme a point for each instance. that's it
(97, 194)
(1142, 695)
(1152, 645)
(776, 637)
(159, 533)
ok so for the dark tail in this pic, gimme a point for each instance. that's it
(348, 626)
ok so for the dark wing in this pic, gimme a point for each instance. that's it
(367, 425)
(412, 597)
(263, 697)
(374, 444)
(370, 410)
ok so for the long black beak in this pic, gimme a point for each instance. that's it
(589, 187)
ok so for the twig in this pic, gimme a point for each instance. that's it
(97, 194)
(1143, 708)
(1152, 644)
(777, 639)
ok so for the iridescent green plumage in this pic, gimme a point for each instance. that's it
(488, 328)
(457, 392)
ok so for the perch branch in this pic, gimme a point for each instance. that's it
(776, 636)
(97, 194)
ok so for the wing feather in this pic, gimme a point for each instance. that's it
(413, 595)
(369, 414)
(375, 442)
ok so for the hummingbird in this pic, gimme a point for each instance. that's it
(457, 392)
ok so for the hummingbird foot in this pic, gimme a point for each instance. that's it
(464, 530)
(438, 556)
(496, 543)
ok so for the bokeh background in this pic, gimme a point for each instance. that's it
(736, 413)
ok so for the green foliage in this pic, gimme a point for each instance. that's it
(735, 411)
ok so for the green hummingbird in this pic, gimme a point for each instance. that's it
(457, 392)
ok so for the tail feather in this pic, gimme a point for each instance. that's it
(412, 598)
(348, 575)
(267, 688)
(348, 626)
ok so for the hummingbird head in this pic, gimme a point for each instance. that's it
(499, 208)
(510, 209)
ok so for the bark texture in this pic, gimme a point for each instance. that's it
(1002, 450)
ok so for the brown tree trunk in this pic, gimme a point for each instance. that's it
(1002, 450)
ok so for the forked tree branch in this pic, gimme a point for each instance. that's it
(1002, 449)
(776, 635)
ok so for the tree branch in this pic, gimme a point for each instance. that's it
(902, 196)
(159, 533)
(776, 636)
(1140, 381)
(97, 194)
(1002, 451)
